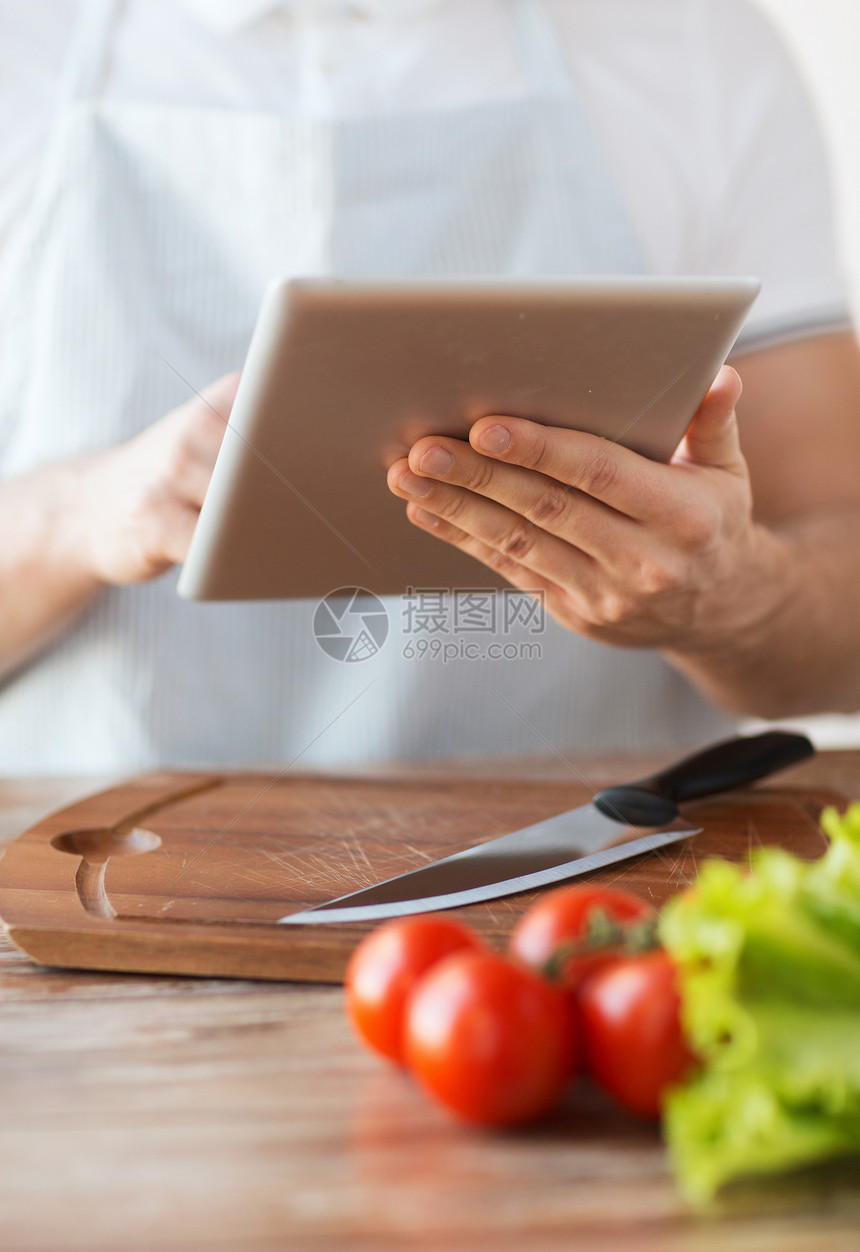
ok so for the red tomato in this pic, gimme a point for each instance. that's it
(385, 967)
(490, 1041)
(630, 1019)
(569, 916)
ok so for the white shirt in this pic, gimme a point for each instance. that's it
(701, 114)
(702, 142)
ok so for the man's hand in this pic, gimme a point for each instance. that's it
(136, 505)
(120, 516)
(626, 550)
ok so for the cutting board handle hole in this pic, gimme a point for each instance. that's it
(99, 845)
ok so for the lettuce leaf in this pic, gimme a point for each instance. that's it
(769, 962)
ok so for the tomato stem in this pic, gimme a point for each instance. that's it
(603, 933)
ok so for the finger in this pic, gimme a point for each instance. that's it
(712, 438)
(495, 527)
(619, 478)
(154, 542)
(191, 437)
(179, 454)
(536, 500)
(177, 526)
(518, 575)
(209, 414)
(202, 420)
(191, 476)
(217, 397)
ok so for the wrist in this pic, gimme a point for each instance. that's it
(71, 520)
(45, 579)
(738, 628)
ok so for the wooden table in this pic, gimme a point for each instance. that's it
(140, 1112)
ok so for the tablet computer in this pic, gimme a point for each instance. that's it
(342, 377)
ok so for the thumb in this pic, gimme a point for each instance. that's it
(220, 394)
(712, 437)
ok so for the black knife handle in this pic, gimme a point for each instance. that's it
(731, 763)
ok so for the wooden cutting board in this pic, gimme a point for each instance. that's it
(188, 873)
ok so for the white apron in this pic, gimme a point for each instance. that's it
(154, 231)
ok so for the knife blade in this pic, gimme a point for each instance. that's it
(619, 822)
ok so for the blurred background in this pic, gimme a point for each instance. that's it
(825, 39)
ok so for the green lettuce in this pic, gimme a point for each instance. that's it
(769, 961)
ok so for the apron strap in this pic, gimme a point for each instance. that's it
(539, 50)
(83, 73)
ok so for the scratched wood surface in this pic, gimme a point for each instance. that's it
(149, 1112)
(188, 874)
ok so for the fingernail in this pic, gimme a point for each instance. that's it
(413, 485)
(436, 461)
(495, 439)
(423, 518)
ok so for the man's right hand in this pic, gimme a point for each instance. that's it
(122, 516)
(138, 503)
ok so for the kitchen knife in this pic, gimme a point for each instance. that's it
(620, 822)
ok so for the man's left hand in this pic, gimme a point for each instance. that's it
(624, 549)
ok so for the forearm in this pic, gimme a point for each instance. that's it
(44, 579)
(790, 643)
